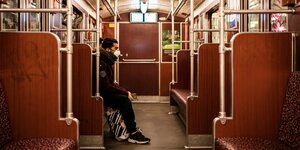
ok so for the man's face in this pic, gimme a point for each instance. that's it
(115, 47)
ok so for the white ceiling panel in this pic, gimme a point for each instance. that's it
(164, 6)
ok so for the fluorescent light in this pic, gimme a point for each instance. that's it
(144, 6)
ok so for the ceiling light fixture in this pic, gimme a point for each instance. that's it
(144, 6)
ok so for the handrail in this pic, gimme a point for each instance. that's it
(179, 6)
(90, 41)
(69, 113)
(192, 92)
(139, 60)
(169, 13)
(116, 65)
(294, 47)
(188, 41)
(77, 30)
(37, 10)
(222, 113)
(215, 30)
(173, 39)
(97, 49)
(259, 11)
(109, 8)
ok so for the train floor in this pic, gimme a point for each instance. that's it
(166, 131)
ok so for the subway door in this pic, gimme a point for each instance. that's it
(139, 63)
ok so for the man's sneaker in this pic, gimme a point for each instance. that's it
(138, 138)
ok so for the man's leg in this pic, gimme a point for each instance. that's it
(122, 103)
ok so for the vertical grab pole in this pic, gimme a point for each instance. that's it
(98, 49)
(69, 114)
(222, 113)
(294, 54)
(173, 51)
(192, 46)
(116, 36)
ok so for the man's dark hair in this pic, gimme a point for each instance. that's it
(100, 40)
(108, 43)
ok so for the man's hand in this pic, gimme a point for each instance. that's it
(130, 97)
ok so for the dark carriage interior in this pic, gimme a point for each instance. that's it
(213, 74)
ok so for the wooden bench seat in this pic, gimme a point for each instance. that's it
(198, 112)
(86, 107)
(266, 95)
(41, 143)
(289, 131)
(180, 90)
(30, 94)
(7, 141)
(250, 143)
(180, 95)
(179, 98)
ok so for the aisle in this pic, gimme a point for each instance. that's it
(166, 131)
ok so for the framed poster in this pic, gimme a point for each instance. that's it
(233, 21)
(279, 21)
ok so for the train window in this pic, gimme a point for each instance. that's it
(279, 20)
(34, 18)
(232, 20)
(143, 17)
(10, 20)
(215, 25)
(150, 17)
(136, 17)
(166, 39)
(253, 19)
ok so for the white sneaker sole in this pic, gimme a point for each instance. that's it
(138, 142)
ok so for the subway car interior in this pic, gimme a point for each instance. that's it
(202, 74)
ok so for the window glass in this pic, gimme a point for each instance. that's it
(166, 39)
(279, 20)
(10, 20)
(34, 18)
(232, 20)
(253, 19)
(136, 17)
(215, 25)
(150, 17)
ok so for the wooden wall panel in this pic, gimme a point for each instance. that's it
(138, 41)
(289, 2)
(165, 78)
(140, 78)
(182, 76)
(183, 67)
(108, 30)
(29, 72)
(205, 108)
(87, 109)
(261, 67)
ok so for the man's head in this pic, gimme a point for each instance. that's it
(110, 44)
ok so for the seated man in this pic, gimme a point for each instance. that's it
(115, 96)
